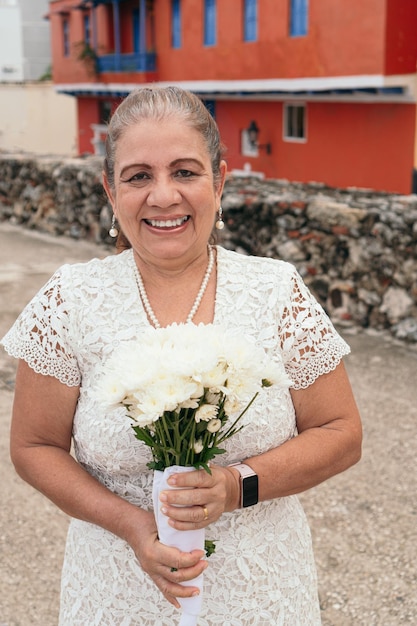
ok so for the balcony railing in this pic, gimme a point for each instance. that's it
(134, 62)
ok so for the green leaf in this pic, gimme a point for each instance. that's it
(209, 547)
(202, 465)
(156, 465)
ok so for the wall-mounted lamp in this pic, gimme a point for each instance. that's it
(253, 134)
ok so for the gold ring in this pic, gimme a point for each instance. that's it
(205, 513)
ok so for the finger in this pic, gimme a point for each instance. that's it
(173, 584)
(186, 574)
(199, 478)
(198, 516)
(185, 560)
(193, 497)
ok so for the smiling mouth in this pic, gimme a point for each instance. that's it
(167, 223)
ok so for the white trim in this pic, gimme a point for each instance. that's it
(268, 88)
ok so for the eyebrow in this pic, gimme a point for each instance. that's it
(175, 163)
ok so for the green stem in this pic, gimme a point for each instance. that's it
(230, 431)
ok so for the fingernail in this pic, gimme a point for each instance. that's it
(172, 480)
(164, 510)
(195, 593)
(163, 496)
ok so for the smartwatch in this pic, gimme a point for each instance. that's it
(248, 484)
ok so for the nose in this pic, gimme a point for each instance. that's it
(164, 193)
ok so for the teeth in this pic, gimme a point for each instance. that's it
(167, 223)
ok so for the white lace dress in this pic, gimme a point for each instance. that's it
(263, 571)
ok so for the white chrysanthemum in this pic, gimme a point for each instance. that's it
(112, 391)
(191, 403)
(212, 397)
(206, 412)
(173, 368)
(141, 418)
(198, 446)
(172, 392)
(214, 425)
(232, 405)
(215, 377)
(275, 374)
(151, 406)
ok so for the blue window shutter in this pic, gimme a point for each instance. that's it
(298, 18)
(209, 22)
(176, 24)
(250, 27)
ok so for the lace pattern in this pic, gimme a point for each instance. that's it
(263, 572)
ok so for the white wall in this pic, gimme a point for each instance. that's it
(25, 52)
(36, 38)
(11, 44)
(34, 118)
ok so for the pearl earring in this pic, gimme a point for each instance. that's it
(113, 232)
(220, 223)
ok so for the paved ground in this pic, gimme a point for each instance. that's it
(364, 522)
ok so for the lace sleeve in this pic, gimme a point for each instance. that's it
(40, 336)
(310, 343)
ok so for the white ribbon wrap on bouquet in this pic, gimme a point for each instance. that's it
(184, 540)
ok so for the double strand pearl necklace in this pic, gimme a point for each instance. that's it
(197, 301)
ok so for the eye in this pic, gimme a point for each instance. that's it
(184, 173)
(138, 177)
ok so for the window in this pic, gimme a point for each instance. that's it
(105, 109)
(87, 29)
(298, 18)
(211, 107)
(176, 24)
(209, 22)
(295, 122)
(250, 20)
(65, 37)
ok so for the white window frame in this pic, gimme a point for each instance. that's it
(285, 123)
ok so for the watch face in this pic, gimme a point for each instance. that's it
(249, 491)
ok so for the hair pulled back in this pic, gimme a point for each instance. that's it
(158, 103)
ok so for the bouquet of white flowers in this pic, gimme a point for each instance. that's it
(180, 387)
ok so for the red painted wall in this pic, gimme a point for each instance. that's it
(360, 145)
(347, 37)
(87, 110)
(401, 36)
(342, 40)
(364, 145)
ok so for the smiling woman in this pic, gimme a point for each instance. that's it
(164, 176)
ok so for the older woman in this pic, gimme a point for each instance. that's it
(164, 177)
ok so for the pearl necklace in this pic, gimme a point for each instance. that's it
(197, 301)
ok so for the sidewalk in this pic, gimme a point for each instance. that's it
(364, 522)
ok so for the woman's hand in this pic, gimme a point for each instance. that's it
(167, 567)
(200, 498)
(40, 448)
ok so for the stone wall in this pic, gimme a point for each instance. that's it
(356, 249)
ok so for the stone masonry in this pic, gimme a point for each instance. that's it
(355, 248)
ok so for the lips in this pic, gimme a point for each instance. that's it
(172, 223)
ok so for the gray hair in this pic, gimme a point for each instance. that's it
(158, 103)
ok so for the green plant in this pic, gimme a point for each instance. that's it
(86, 55)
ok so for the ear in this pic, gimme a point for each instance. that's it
(223, 171)
(108, 191)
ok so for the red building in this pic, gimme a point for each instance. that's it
(329, 84)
